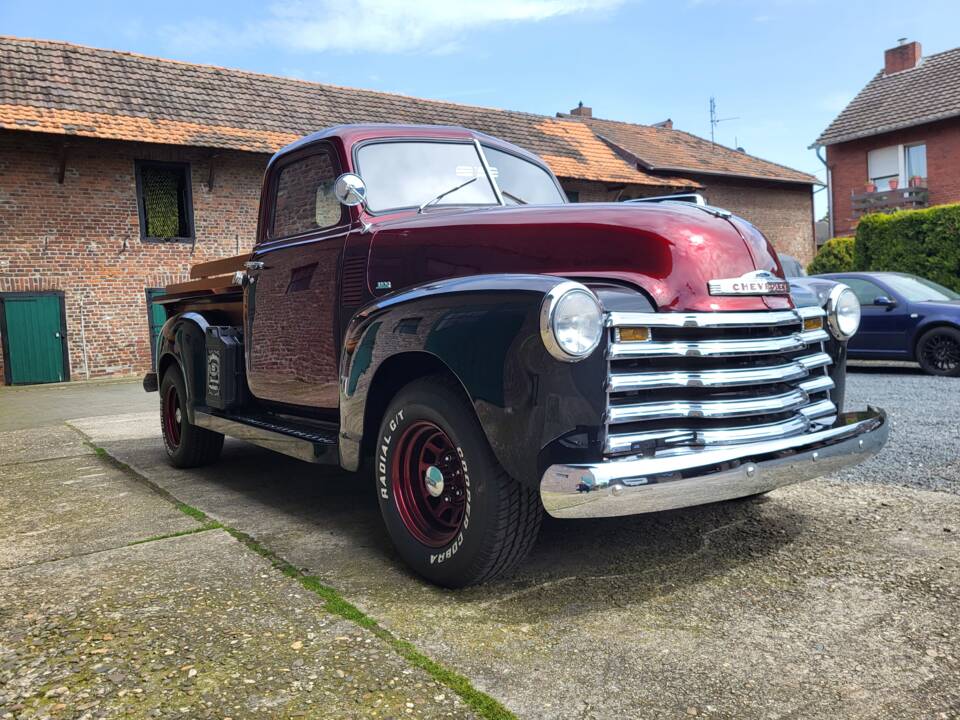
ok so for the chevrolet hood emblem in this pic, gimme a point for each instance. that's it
(758, 282)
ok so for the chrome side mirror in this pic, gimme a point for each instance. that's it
(350, 190)
(884, 301)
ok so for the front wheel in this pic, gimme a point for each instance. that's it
(187, 445)
(452, 512)
(938, 352)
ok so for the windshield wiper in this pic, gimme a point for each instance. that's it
(442, 195)
(513, 197)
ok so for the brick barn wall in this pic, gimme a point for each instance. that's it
(782, 212)
(848, 164)
(83, 237)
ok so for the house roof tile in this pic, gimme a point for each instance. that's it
(926, 93)
(668, 150)
(61, 88)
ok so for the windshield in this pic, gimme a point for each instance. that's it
(917, 289)
(521, 181)
(410, 174)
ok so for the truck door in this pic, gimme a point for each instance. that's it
(291, 302)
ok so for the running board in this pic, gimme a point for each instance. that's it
(303, 442)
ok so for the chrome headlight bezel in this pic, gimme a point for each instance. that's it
(552, 307)
(838, 303)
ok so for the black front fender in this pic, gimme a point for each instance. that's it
(485, 330)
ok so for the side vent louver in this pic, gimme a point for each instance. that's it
(354, 286)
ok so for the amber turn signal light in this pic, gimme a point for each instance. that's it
(813, 323)
(633, 334)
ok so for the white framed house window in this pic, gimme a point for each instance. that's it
(915, 160)
(896, 163)
(883, 165)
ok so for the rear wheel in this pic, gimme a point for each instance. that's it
(187, 445)
(938, 352)
(453, 513)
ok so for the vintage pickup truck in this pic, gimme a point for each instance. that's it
(423, 303)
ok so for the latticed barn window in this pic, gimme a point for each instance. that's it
(164, 197)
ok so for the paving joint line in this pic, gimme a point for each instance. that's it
(123, 546)
(40, 460)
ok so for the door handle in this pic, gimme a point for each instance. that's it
(253, 264)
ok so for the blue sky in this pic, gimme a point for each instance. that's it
(782, 68)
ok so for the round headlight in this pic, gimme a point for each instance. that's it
(571, 322)
(843, 312)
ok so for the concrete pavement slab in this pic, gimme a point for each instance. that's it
(18, 446)
(821, 600)
(192, 627)
(35, 406)
(69, 506)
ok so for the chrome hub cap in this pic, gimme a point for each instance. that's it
(433, 479)
(178, 416)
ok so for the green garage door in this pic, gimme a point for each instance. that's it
(33, 338)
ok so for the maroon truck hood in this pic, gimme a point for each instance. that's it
(670, 251)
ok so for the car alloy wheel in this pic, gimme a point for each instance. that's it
(942, 353)
(428, 484)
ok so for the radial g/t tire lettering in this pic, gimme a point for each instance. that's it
(453, 513)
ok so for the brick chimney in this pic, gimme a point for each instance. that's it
(582, 110)
(904, 56)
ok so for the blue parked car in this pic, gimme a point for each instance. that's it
(905, 317)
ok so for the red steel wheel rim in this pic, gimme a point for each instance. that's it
(172, 416)
(429, 487)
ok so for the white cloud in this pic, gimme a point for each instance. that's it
(386, 26)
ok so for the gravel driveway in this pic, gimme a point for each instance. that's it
(924, 446)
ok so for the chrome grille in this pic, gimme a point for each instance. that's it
(705, 379)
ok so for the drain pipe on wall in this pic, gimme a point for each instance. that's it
(83, 341)
(829, 189)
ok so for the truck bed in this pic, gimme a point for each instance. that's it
(214, 286)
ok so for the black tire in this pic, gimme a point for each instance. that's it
(187, 445)
(938, 352)
(499, 518)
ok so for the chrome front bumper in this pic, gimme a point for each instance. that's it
(666, 481)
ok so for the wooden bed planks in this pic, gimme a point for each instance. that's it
(215, 276)
(222, 266)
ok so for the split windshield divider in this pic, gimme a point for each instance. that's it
(486, 169)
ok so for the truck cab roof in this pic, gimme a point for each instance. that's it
(354, 134)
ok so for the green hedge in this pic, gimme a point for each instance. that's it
(921, 242)
(836, 255)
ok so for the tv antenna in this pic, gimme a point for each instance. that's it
(714, 120)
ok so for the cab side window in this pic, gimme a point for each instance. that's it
(304, 199)
(865, 290)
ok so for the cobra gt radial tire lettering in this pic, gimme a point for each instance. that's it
(452, 512)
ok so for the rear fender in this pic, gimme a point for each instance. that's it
(183, 341)
(485, 330)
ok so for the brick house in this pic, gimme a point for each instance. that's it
(897, 144)
(119, 171)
